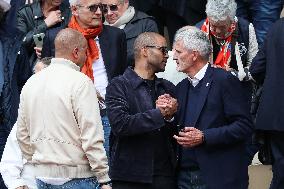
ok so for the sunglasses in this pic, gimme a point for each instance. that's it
(112, 7)
(164, 50)
(94, 7)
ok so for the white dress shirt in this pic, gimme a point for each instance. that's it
(200, 74)
(14, 169)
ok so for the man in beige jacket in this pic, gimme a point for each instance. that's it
(59, 125)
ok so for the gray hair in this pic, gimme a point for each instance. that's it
(74, 2)
(220, 10)
(194, 39)
(143, 40)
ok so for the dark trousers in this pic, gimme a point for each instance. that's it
(159, 182)
(277, 148)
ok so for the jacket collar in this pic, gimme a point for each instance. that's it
(139, 16)
(37, 10)
(136, 80)
(65, 62)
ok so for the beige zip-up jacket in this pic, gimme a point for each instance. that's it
(59, 124)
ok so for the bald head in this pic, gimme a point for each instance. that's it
(72, 45)
(68, 39)
(143, 40)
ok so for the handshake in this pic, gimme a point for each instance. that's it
(167, 105)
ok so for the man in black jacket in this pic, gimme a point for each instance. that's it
(140, 108)
(14, 71)
(267, 69)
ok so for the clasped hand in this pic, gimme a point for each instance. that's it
(167, 105)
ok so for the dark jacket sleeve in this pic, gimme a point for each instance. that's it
(123, 52)
(24, 19)
(236, 111)
(23, 68)
(258, 65)
(122, 122)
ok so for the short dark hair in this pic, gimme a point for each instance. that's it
(143, 40)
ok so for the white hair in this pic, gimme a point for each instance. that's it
(194, 39)
(74, 2)
(220, 10)
(5, 4)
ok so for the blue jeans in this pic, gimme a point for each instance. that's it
(190, 180)
(84, 183)
(107, 130)
(261, 13)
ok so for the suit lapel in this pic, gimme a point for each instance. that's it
(206, 84)
(104, 46)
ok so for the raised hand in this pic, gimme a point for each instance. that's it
(53, 18)
(167, 105)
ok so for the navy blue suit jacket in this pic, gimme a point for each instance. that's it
(267, 69)
(223, 115)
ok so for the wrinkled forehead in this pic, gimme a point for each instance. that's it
(179, 45)
(111, 2)
(220, 23)
(89, 2)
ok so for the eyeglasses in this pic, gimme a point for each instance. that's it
(164, 50)
(112, 7)
(94, 7)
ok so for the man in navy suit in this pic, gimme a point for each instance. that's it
(213, 116)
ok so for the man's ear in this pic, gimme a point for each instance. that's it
(195, 55)
(74, 10)
(75, 53)
(144, 52)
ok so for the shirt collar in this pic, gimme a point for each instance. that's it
(136, 80)
(200, 74)
(65, 62)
